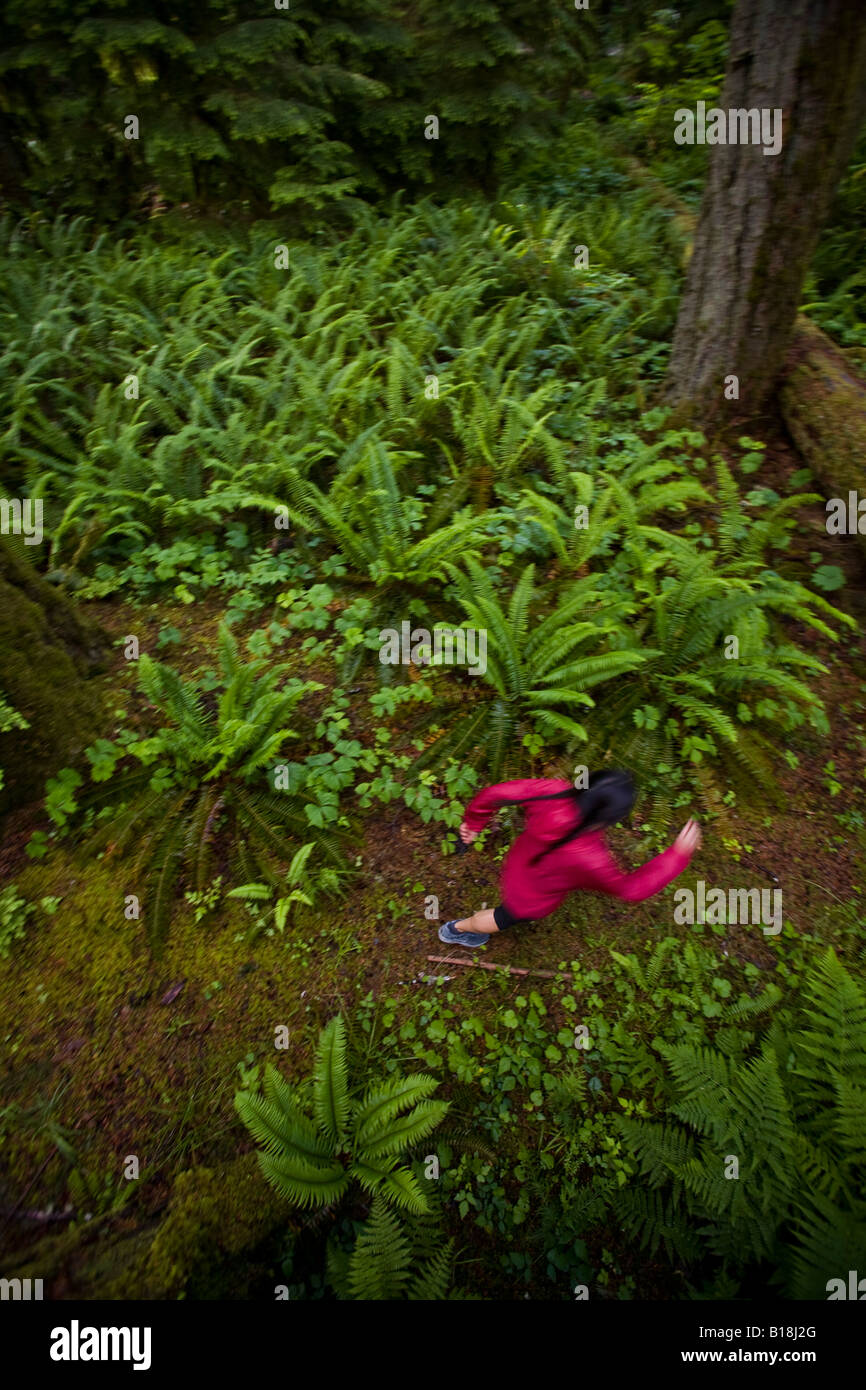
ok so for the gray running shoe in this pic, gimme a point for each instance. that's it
(461, 938)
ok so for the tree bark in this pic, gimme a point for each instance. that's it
(762, 214)
(47, 651)
(821, 389)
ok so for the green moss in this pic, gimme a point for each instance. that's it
(84, 1018)
(823, 400)
(47, 649)
(214, 1218)
(204, 1247)
(82, 1261)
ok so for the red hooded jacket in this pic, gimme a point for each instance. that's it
(533, 891)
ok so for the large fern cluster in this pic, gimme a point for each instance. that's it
(325, 1139)
(539, 669)
(682, 654)
(793, 1116)
(424, 401)
(205, 783)
(270, 379)
(386, 535)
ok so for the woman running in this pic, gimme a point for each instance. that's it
(562, 848)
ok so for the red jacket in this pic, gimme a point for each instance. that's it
(533, 891)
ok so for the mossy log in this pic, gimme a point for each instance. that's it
(217, 1222)
(822, 397)
(214, 1241)
(48, 651)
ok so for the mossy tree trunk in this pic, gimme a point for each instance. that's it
(47, 652)
(762, 213)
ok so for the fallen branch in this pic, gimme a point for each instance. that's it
(483, 965)
(14, 1214)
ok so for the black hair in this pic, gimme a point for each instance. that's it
(607, 798)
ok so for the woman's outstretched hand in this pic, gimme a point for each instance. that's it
(689, 838)
(467, 835)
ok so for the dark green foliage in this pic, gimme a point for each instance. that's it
(222, 94)
(835, 292)
(392, 1260)
(491, 73)
(297, 107)
(9, 719)
(430, 393)
(794, 1116)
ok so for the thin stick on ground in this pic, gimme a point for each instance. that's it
(484, 965)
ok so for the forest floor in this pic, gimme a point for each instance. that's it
(136, 1057)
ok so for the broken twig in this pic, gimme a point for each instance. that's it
(483, 965)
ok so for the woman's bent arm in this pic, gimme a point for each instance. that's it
(486, 803)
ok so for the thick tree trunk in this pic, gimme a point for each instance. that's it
(821, 390)
(47, 651)
(762, 214)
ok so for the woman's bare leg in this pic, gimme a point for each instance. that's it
(481, 922)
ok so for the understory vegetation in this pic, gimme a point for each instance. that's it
(356, 405)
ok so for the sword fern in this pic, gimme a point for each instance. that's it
(317, 1141)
